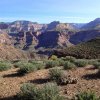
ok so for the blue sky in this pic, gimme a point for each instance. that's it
(45, 11)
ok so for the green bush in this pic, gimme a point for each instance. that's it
(50, 64)
(87, 96)
(5, 66)
(27, 68)
(92, 61)
(62, 58)
(69, 65)
(19, 64)
(39, 64)
(81, 62)
(28, 91)
(61, 62)
(33, 62)
(97, 64)
(49, 91)
(70, 58)
(53, 57)
(55, 74)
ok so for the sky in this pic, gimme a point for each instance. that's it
(45, 11)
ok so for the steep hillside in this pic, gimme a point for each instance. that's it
(27, 35)
(52, 39)
(83, 36)
(3, 25)
(90, 49)
(23, 25)
(23, 40)
(78, 25)
(95, 24)
(57, 26)
(7, 50)
(10, 53)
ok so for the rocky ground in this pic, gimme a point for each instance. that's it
(10, 81)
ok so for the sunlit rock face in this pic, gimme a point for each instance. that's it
(7, 49)
(18, 26)
(5, 38)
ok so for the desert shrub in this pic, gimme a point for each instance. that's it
(81, 62)
(69, 65)
(49, 91)
(19, 64)
(87, 96)
(28, 91)
(53, 57)
(50, 64)
(60, 77)
(92, 61)
(61, 62)
(27, 68)
(33, 62)
(97, 64)
(55, 74)
(40, 66)
(62, 58)
(70, 58)
(5, 65)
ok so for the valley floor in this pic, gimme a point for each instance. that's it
(10, 81)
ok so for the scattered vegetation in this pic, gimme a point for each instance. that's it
(69, 58)
(92, 61)
(51, 64)
(27, 68)
(5, 65)
(81, 62)
(49, 91)
(97, 64)
(69, 65)
(55, 74)
(39, 64)
(19, 63)
(88, 50)
(53, 57)
(60, 77)
(87, 96)
(61, 62)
